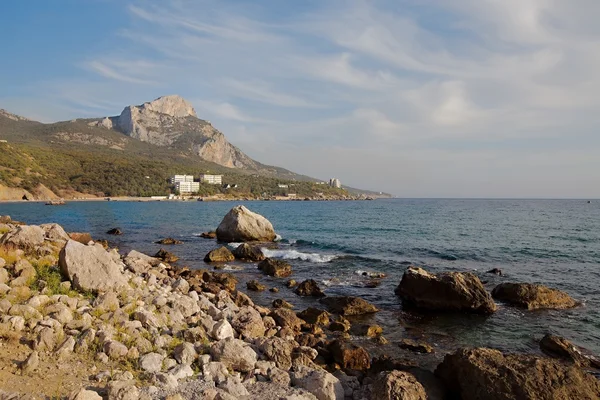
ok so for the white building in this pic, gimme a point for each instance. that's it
(187, 187)
(181, 178)
(212, 179)
(335, 182)
(282, 185)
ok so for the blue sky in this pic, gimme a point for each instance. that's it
(420, 98)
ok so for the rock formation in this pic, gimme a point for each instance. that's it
(243, 225)
(488, 374)
(450, 291)
(532, 297)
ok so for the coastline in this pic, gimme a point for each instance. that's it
(355, 368)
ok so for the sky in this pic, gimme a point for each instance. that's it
(418, 98)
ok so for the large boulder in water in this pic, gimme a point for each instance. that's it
(483, 373)
(276, 268)
(222, 254)
(449, 291)
(348, 305)
(243, 225)
(532, 297)
(91, 267)
(246, 252)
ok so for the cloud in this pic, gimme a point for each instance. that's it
(448, 92)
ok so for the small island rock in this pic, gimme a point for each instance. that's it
(533, 297)
(243, 225)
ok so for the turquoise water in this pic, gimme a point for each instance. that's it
(553, 242)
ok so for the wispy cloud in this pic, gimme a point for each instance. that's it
(463, 82)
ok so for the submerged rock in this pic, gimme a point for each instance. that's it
(532, 297)
(169, 241)
(449, 291)
(419, 347)
(482, 373)
(222, 254)
(114, 231)
(348, 305)
(255, 286)
(246, 252)
(243, 225)
(309, 287)
(276, 268)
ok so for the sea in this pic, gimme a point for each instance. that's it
(344, 244)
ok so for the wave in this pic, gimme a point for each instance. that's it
(297, 255)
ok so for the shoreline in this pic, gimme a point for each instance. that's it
(273, 348)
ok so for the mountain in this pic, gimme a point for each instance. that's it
(171, 121)
(132, 154)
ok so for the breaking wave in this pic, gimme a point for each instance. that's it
(297, 255)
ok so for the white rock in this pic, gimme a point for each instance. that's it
(319, 382)
(151, 362)
(235, 354)
(222, 330)
(185, 353)
(84, 394)
(181, 371)
(243, 225)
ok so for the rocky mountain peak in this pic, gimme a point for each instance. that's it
(173, 105)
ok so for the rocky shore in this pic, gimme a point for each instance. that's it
(81, 321)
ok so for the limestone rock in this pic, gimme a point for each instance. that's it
(114, 349)
(91, 267)
(185, 353)
(24, 237)
(276, 268)
(84, 394)
(319, 382)
(81, 237)
(277, 350)
(309, 287)
(315, 316)
(248, 323)
(246, 252)
(31, 363)
(114, 231)
(222, 254)
(55, 233)
(350, 356)
(243, 225)
(255, 286)
(348, 305)
(559, 347)
(450, 291)
(397, 385)
(222, 330)
(418, 347)
(169, 241)
(234, 353)
(139, 262)
(532, 297)
(166, 256)
(483, 373)
(286, 318)
(151, 362)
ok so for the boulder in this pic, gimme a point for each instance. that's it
(91, 267)
(277, 350)
(309, 288)
(84, 394)
(315, 316)
(319, 382)
(248, 323)
(25, 237)
(169, 241)
(368, 330)
(286, 318)
(350, 356)
(114, 231)
(559, 347)
(139, 262)
(281, 303)
(276, 268)
(243, 225)
(533, 297)
(151, 362)
(449, 291)
(348, 305)
(222, 254)
(482, 373)
(235, 354)
(166, 256)
(81, 237)
(255, 286)
(55, 233)
(395, 385)
(246, 252)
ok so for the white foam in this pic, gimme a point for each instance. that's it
(297, 255)
(277, 238)
(234, 245)
(233, 267)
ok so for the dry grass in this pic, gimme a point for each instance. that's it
(9, 255)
